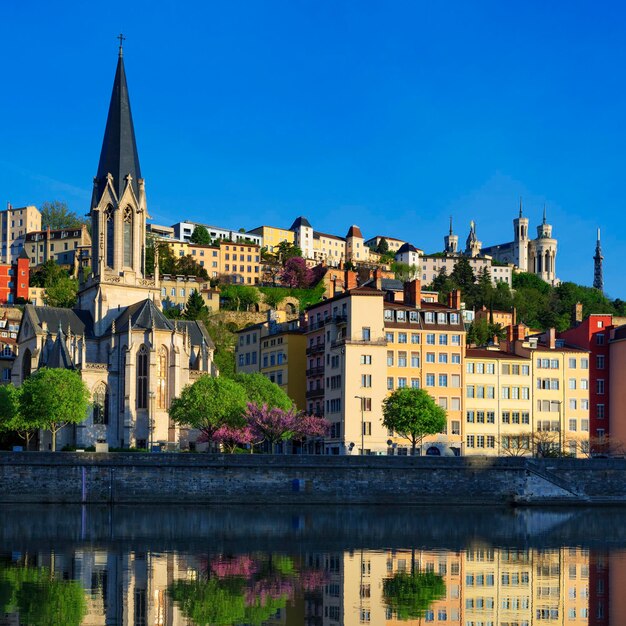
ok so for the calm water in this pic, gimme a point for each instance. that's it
(166, 566)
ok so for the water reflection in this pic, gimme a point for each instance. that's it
(226, 567)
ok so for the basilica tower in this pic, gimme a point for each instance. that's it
(520, 241)
(451, 241)
(118, 215)
(543, 252)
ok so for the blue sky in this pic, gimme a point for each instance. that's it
(391, 115)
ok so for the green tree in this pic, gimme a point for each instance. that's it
(383, 246)
(261, 390)
(403, 271)
(195, 309)
(481, 332)
(200, 236)
(411, 595)
(273, 296)
(286, 250)
(239, 297)
(57, 397)
(11, 418)
(442, 283)
(413, 414)
(50, 602)
(56, 215)
(463, 277)
(63, 292)
(187, 266)
(208, 404)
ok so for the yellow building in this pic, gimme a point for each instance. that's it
(239, 263)
(276, 349)
(58, 245)
(175, 291)
(272, 236)
(498, 405)
(15, 222)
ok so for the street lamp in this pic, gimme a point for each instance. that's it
(362, 399)
(151, 419)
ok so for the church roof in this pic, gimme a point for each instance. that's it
(119, 149)
(78, 322)
(144, 314)
(197, 332)
(55, 354)
(23, 255)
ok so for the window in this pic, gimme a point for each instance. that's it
(367, 428)
(572, 363)
(600, 386)
(402, 338)
(415, 359)
(600, 411)
(430, 380)
(471, 392)
(430, 357)
(584, 364)
(443, 380)
(600, 339)
(415, 383)
(469, 367)
(142, 378)
(443, 357)
(584, 383)
(430, 339)
(572, 424)
(389, 337)
(470, 441)
(366, 380)
(365, 333)
(443, 340)
(470, 417)
(600, 361)
(390, 383)
(100, 404)
(401, 383)
(572, 383)
(455, 380)
(415, 338)
(366, 359)
(128, 236)
(162, 367)
(110, 235)
(389, 358)
(456, 358)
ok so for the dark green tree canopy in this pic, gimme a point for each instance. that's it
(195, 309)
(56, 215)
(411, 595)
(413, 414)
(200, 236)
(261, 390)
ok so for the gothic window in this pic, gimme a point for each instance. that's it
(101, 404)
(162, 379)
(142, 378)
(26, 364)
(109, 216)
(128, 236)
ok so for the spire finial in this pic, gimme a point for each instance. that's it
(451, 224)
(520, 206)
(598, 235)
(545, 221)
(121, 38)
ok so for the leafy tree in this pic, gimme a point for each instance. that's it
(57, 397)
(286, 250)
(11, 418)
(463, 276)
(46, 274)
(260, 390)
(383, 246)
(481, 332)
(56, 215)
(239, 297)
(273, 296)
(195, 309)
(404, 271)
(62, 293)
(200, 236)
(224, 337)
(296, 274)
(442, 283)
(187, 266)
(413, 414)
(208, 404)
(411, 595)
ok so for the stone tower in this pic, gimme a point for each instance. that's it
(118, 217)
(303, 235)
(520, 241)
(451, 241)
(543, 252)
(598, 278)
(472, 245)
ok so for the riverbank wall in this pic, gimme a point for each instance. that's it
(120, 478)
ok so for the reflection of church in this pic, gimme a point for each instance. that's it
(133, 359)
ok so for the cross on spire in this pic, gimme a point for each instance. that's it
(122, 39)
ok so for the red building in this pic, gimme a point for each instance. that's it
(14, 280)
(593, 334)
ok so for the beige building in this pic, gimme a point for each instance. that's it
(175, 291)
(361, 346)
(239, 263)
(15, 222)
(271, 236)
(61, 246)
(433, 264)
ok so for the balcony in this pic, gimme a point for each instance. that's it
(315, 393)
(315, 371)
(358, 342)
(316, 349)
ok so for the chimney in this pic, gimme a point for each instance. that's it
(378, 278)
(551, 337)
(350, 280)
(454, 299)
(333, 286)
(413, 293)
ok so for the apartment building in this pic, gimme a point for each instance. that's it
(393, 244)
(60, 246)
(15, 222)
(184, 230)
(175, 291)
(498, 405)
(276, 349)
(361, 346)
(14, 280)
(10, 319)
(434, 263)
(240, 264)
(503, 318)
(272, 236)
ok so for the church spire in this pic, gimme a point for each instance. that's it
(598, 278)
(545, 221)
(451, 224)
(520, 206)
(118, 156)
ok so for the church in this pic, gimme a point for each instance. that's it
(132, 358)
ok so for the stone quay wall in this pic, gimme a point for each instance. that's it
(126, 478)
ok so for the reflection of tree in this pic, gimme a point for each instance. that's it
(410, 595)
(40, 598)
(241, 589)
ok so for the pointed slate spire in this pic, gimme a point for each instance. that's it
(545, 221)
(451, 225)
(118, 156)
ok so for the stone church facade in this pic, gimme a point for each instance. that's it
(132, 358)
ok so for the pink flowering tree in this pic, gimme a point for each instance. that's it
(296, 274)
(233, 437)
(310, 427)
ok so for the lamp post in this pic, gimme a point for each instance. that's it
(362, 399)
(151, 419)
(561, 434)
